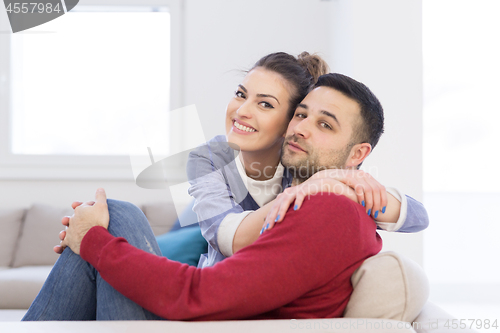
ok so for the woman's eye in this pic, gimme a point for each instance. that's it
(300, 115)
(239, 94)
(266, 105)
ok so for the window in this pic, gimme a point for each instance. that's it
(81, 89)
(461, 116)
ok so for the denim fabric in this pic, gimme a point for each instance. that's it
(74, 290)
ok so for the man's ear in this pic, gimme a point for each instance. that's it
(358, 154)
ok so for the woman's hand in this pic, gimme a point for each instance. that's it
(298, 193)
(86, 216)
(363, 189)
(370, 193)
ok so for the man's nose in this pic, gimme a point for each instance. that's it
(303, 129)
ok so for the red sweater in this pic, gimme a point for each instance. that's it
(299, 269)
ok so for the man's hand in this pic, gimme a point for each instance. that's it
(65, 222)
(86, 216)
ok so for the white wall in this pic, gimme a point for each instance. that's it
(225, 36)
(377, 42)
(380, 44)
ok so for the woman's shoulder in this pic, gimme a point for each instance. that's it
(214, 154)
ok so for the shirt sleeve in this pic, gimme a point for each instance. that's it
(214, 198)
(252, 281)
(227, 230)
(412, 217)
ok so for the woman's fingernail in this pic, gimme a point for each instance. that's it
(369, 211)
(296, 207)
(277, 219)
(363, 203)
(383, 209)
(376, 214)
(262, 230)
(267, 226)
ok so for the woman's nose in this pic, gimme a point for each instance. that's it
(244, 110)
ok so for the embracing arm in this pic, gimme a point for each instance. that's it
(215, 200)
(391, 210)
(224, 223)
(412, 217)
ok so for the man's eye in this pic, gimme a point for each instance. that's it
(300, 115)
(239, 94)
(325, 125)
(266, 105)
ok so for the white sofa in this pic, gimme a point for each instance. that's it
(28, 235)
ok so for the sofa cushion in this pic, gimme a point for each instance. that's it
(19, 286)
(161, 216)
(389, 286)
(10, 226)
(183, 245)
(39, 234)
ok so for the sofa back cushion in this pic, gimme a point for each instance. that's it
(39, 234)
(161, 216)
(390, 286)
(10, 227)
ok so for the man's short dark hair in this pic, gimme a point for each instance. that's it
(371, 126)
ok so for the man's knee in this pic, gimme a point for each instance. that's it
(115, 206)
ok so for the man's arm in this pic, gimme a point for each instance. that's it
(272, 272)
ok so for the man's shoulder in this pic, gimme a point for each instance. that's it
(333, 210)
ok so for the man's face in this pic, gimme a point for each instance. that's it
(319, 135)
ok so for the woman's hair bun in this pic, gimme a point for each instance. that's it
(314, 64)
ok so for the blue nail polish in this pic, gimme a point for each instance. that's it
(277, 219)
(363, 203)
(376, 214)
(369, 211)
(295, 207)
(262, 230)
(267, 226)
(383, 209)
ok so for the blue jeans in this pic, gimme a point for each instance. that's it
(74, 290)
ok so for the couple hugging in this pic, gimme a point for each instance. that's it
(299, 131)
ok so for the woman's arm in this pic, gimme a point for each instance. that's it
(218, 191)
(250, 228)
(390, 209)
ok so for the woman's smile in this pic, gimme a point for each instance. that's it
(240, 126)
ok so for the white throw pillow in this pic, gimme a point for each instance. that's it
(389, 286)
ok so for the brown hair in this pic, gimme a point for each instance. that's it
(300, 73)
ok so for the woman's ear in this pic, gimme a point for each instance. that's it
(358, 154)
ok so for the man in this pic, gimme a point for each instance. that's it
(297, 270)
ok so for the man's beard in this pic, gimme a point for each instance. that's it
(302, 168)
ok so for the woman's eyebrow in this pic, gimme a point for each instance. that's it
(258, 95)
(266, 95)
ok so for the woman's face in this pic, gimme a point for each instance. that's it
(256, 117)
